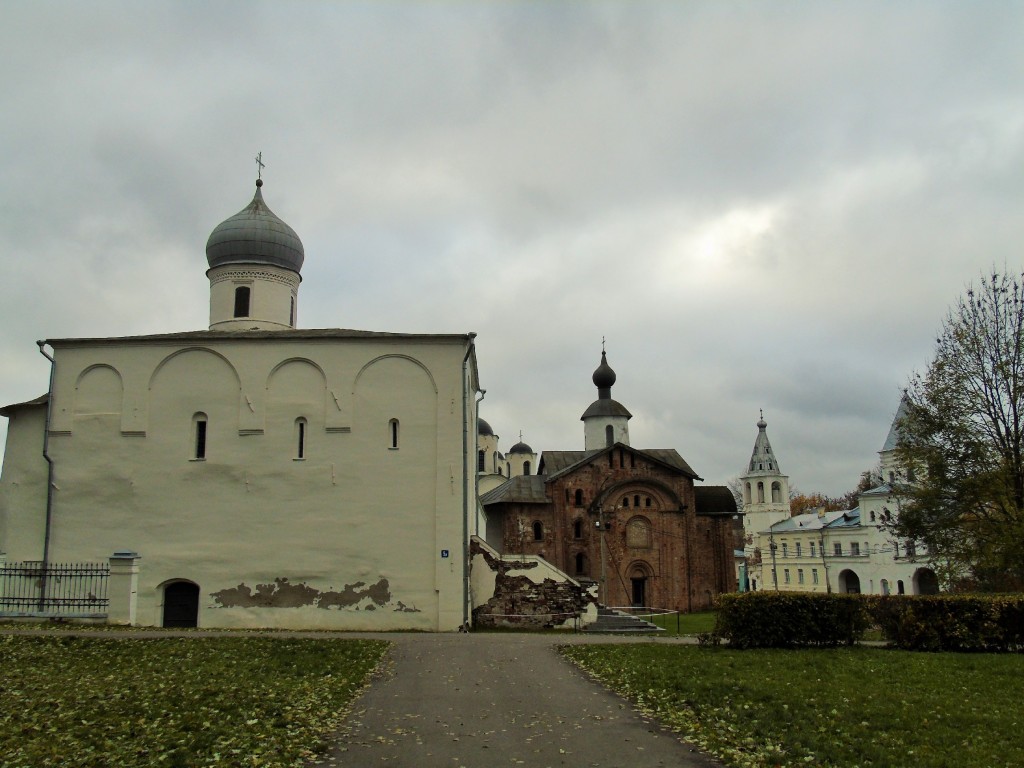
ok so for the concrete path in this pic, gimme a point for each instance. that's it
(492, 699)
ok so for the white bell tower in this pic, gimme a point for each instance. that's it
(765, 502)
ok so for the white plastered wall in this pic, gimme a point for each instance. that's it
(23, 486)
(272, 291)
(594, 431)
(356, 525)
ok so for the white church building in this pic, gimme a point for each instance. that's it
(827, 551)
(255, 473)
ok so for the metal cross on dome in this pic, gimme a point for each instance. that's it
(259, 165)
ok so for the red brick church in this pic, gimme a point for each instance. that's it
(632, 520)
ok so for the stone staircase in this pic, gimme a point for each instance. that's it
(619, 622)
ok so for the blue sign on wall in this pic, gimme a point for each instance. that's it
(444, 553)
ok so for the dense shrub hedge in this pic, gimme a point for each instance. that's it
(951, 622)
(788, 619)
(930, 623)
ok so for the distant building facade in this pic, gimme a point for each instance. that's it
(836, 551)
(631, 520)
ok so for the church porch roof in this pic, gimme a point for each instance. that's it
(9, 410)
(556, 463)
(524, 489)
(715, 500)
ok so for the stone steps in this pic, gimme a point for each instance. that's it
(609, 621)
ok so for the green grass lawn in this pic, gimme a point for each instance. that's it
(238, 701)
(833, 707)
(684, 623)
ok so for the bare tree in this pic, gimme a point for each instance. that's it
(961, 441)
(735, 487)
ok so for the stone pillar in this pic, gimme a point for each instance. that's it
(123, 588)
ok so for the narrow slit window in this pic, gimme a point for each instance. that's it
(291, 314)
(199, 436)
(393, 434)
(300, 438)
(538, 531)
(242, 296)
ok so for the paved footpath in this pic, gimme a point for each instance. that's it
(494, 699)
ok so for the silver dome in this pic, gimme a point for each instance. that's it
(255, 235)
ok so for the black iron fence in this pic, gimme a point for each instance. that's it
(58, 589)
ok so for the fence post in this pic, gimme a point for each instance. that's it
(123, 588)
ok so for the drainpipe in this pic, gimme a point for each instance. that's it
(49, 476)
(465, 476)
(476, 450)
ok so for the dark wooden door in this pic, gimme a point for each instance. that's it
(639, 591)
(181, 604)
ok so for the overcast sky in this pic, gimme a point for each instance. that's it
(759, 205)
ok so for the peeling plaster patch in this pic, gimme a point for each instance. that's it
(380, 593)
(282, 594)
(403, 608)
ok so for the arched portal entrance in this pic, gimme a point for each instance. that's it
(849, 582)
(181, 604)
(638, 578)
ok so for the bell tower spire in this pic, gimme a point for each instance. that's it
(765, 496)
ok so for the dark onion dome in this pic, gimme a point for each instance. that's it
(520, 447)
(604, 376)
(483, 428)
(255, 235)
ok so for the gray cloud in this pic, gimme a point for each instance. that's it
(760, 206)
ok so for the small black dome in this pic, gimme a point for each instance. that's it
(604, 376)
(255, 235)
(520, 448)
(483, 428)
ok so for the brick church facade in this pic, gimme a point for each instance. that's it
(631, 520)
